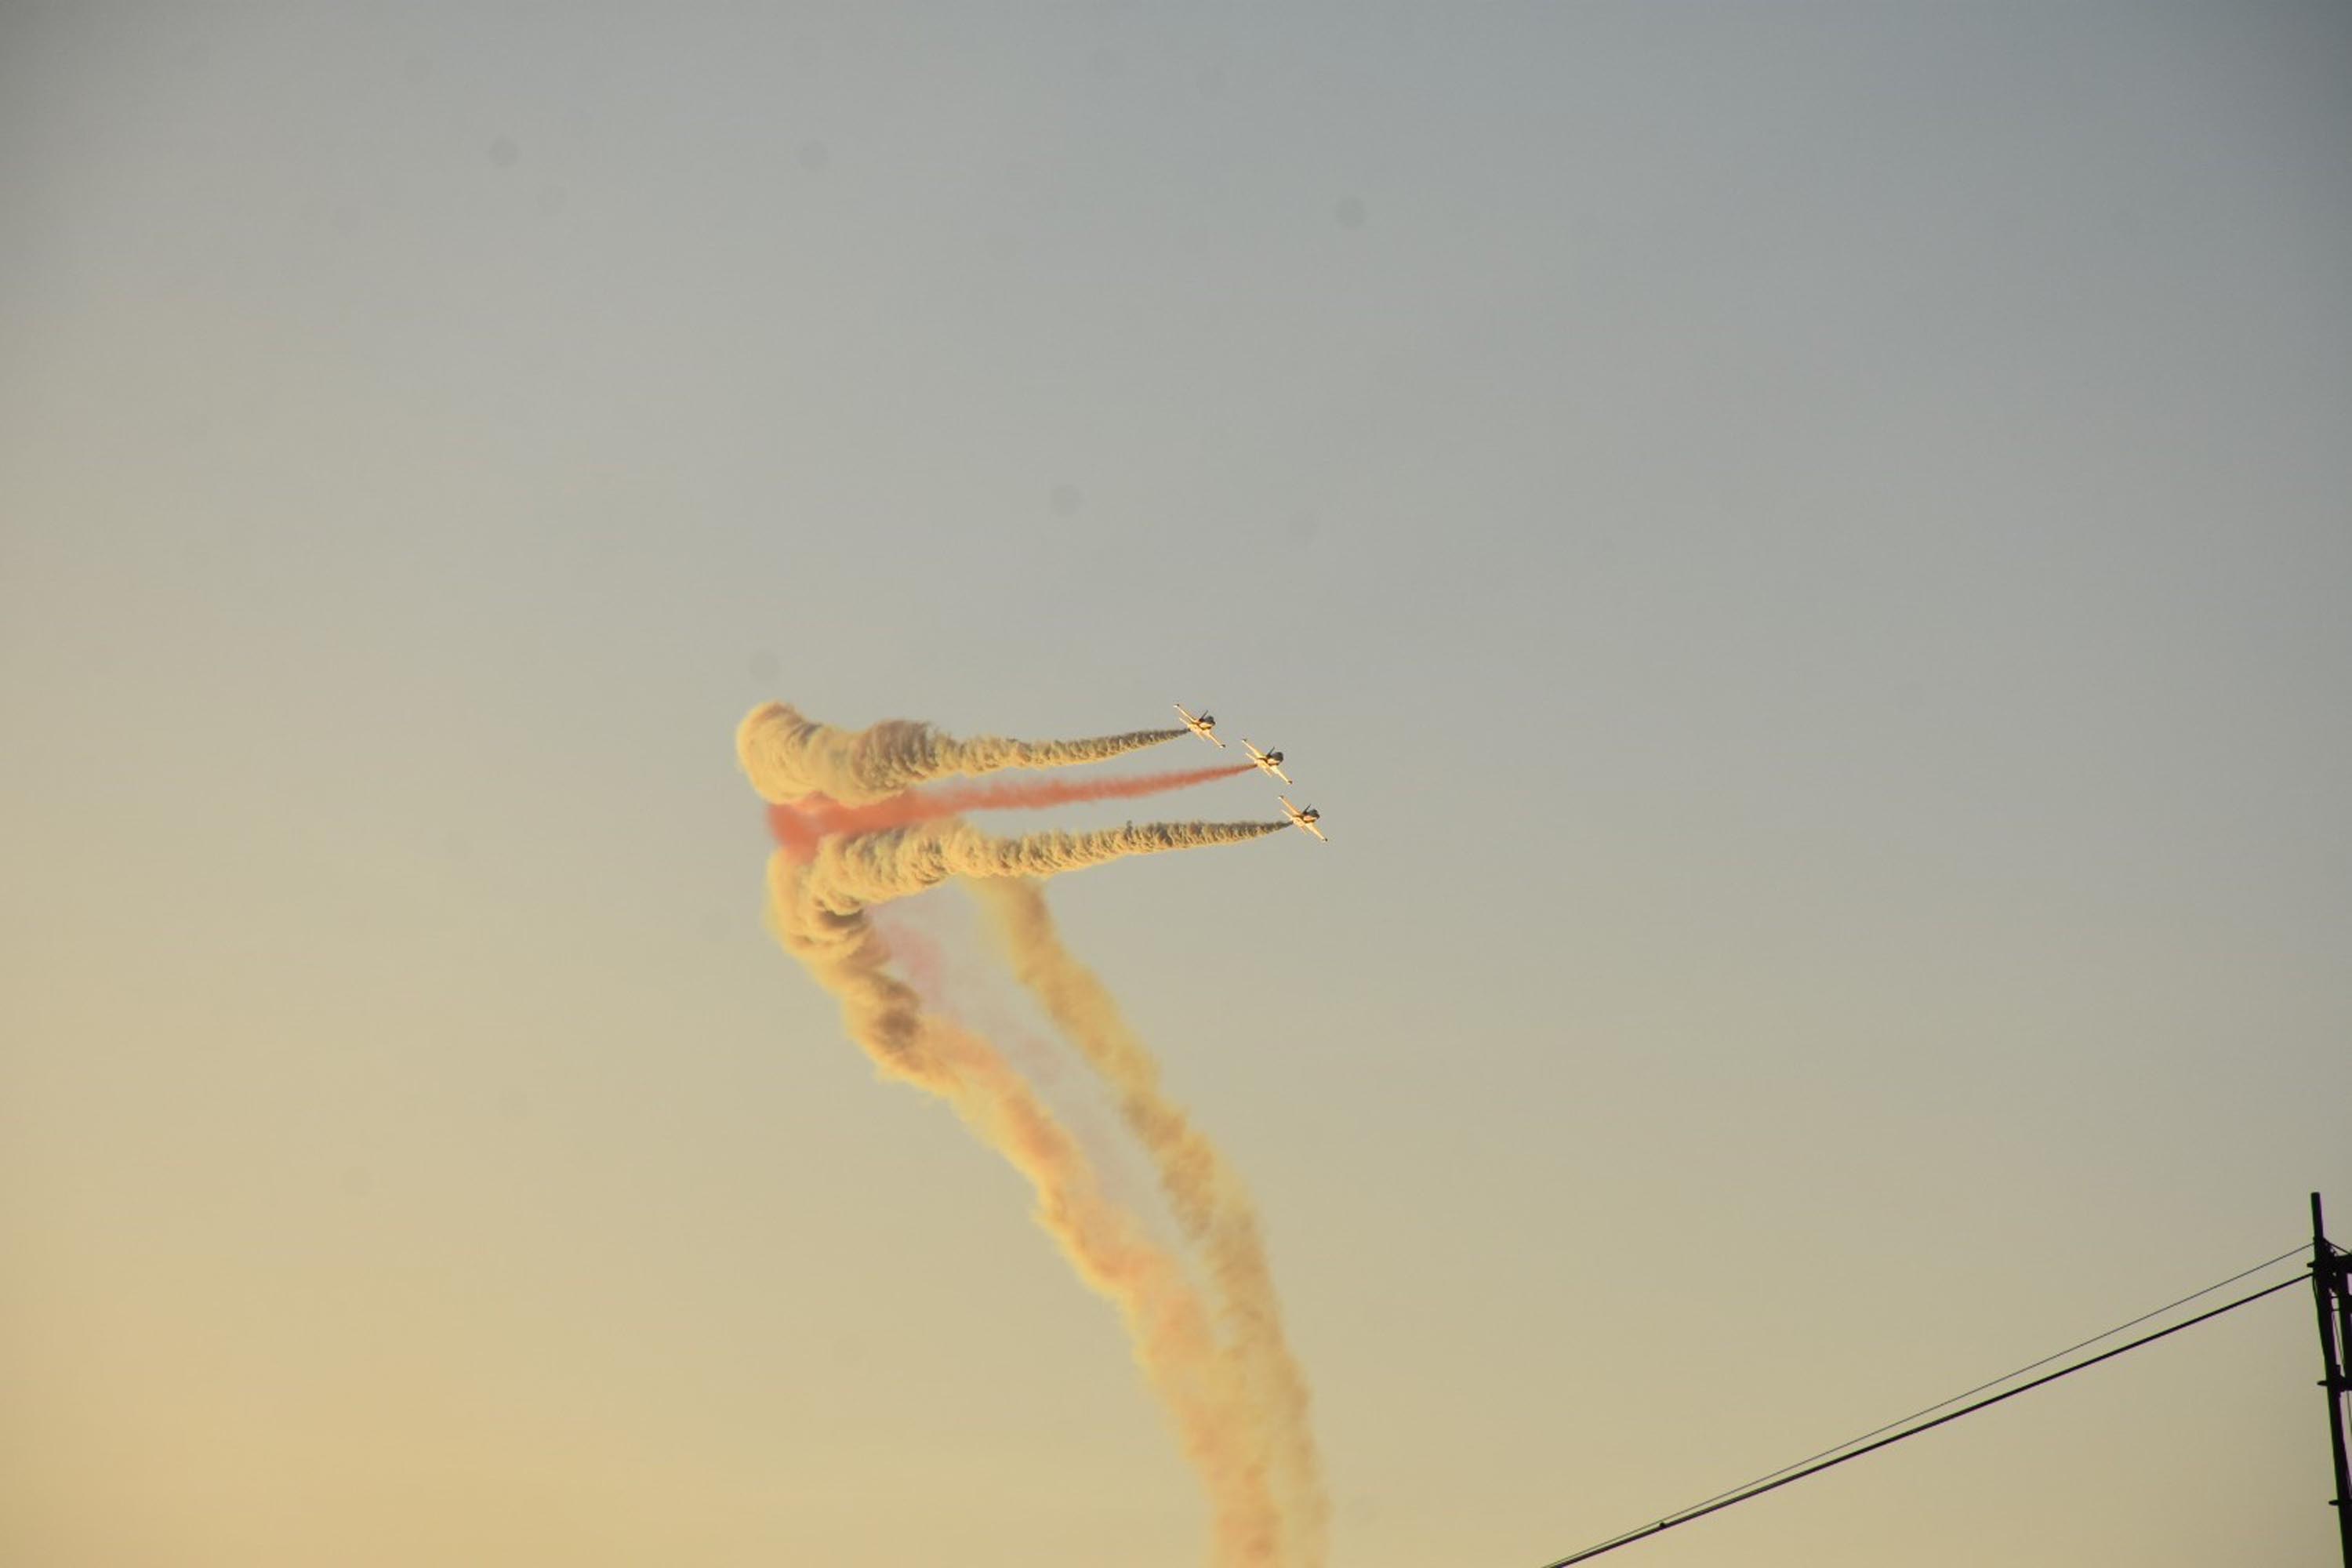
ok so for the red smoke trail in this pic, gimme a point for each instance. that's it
(801, 825)
(921, 955)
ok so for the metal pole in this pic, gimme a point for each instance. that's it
(2328, 1280)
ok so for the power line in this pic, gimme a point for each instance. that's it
(2295, 1251)
(1724, 1500)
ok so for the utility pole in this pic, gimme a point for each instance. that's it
(2331, 1286)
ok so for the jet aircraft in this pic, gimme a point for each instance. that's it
(1267, 761)
(1202, 726)
(1301, 819)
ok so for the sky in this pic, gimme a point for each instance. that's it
(1801, 550)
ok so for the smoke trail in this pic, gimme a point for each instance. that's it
(852, 872)
(788, 756)
(799, 825)
(820, 921)
(1211, 1207)
(938, 948)
(1223, 1373)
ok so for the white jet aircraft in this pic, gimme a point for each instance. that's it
(1298, 818)
(1267, 761)
(1202, 726)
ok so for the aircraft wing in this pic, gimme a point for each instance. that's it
(1199, 727)
(1308, 823)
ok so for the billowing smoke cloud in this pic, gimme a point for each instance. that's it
(790, 757)
(1219, 1362)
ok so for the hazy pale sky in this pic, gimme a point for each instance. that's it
(1802, 552)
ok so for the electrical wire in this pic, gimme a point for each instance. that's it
(2295, 1251)
(1799, 1471)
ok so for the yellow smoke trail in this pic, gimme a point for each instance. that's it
(818, 911)
(1174, 1337)
(789, 755)
(1212, 1206)
(869, 867)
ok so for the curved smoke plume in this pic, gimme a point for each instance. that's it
(819, 912)
(1215, 1356)
(1212, 1206)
